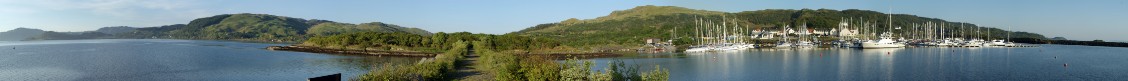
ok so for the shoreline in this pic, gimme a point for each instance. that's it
(555, 56)
(1070, 42)
(565, 56)
(357, 52)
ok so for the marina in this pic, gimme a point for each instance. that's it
(1045, 62)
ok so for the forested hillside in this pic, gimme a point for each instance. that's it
(630, 27)
(262, 27)
(400, 41)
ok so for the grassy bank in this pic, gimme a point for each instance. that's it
(508, 66)
(436, 69)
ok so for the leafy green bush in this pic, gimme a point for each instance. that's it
(540, 69)
(436, 69)
(575, 71)
(658, 74)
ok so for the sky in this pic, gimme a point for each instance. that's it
(1073, 19)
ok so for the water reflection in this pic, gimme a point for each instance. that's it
(890, 64)
(158, 60)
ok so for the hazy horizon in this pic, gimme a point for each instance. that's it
(1075, 20)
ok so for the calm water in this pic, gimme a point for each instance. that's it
(162, 60)
(901, 64)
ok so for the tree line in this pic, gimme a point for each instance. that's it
(415, 42)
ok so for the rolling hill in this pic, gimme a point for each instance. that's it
(264, 28)
(241, 27)
(19, 34)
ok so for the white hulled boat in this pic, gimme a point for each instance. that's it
(886, 41)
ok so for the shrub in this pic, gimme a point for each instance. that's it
(540, 69)
(658, 74)
(436, 69)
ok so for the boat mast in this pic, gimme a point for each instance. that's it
(889, 27)
(697, 28)
(708, 31)
(962, 30)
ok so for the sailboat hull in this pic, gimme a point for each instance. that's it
(881, 45)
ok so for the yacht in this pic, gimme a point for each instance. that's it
(783, 45)
(972, 43)
(804, 44)
(886, 41)
(699, 49)
(946, 42)
(1000, 43)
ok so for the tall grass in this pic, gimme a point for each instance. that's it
(436, 69)
(512, 67)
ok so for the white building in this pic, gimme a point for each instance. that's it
(842, 30)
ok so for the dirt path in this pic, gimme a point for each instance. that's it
(467, 71)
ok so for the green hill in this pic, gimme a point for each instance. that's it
(241, 27)
(264, 27)
(331, 28)
(630, 27)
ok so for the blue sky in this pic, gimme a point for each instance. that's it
(1074, 19)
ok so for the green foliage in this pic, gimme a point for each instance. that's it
(648, 11)
(256, 26)
(382, 27)
(389, 73)
(540, 69)
(330, 28)
(367, 40)
(658, 74)
(264, 27)
(620, 72)
(439, 68)
(413, 42)
(575, 71)
(509, 67)
(504, 67)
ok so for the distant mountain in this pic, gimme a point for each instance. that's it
(1058, 38)
(51, 35)
(630, 27)
(19, 34)
(150, 32)
(244, 27)
(115, 30)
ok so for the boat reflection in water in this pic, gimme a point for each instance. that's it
(932, 63)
